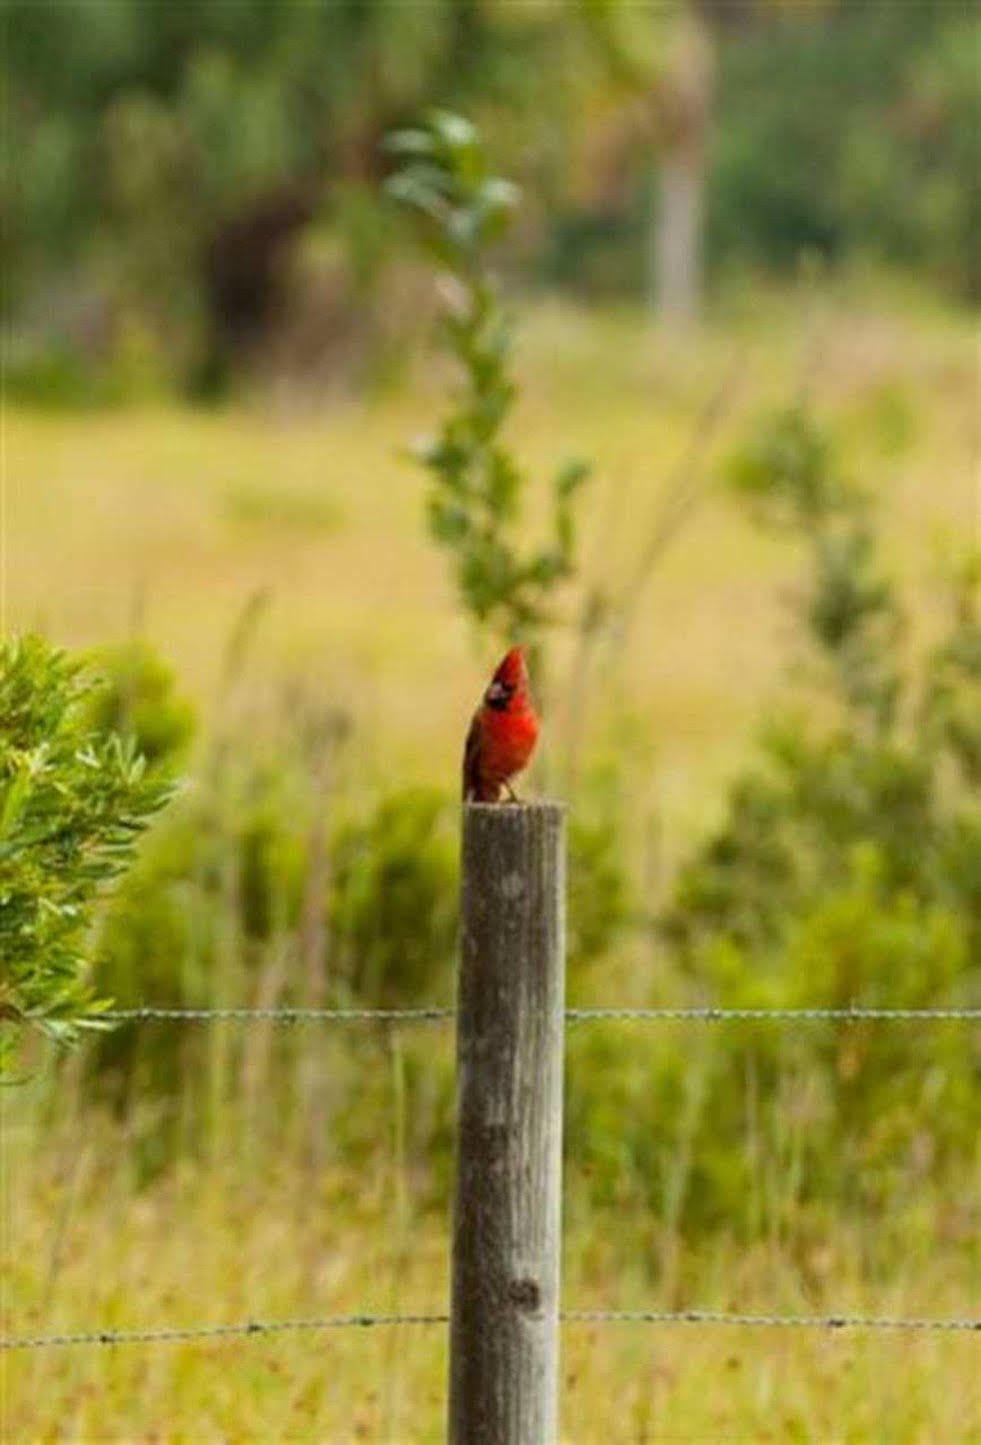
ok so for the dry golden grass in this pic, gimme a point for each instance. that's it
(253, 1235)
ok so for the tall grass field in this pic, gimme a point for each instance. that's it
(276, 558)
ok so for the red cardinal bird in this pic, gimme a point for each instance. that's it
(502, 735)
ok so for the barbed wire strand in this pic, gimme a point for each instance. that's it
(152, 1014)
(717, 1317)
(206, 1332)
(711, 1014)
(571, 1317)
(704, 1014)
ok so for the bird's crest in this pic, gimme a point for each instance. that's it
(512, 672)
(509, 682)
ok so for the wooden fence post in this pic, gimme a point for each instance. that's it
(504, 1344)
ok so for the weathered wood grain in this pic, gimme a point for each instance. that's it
(505, 1300)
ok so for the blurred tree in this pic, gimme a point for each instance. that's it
(660, 60)
(181, 150)
(163, 161)
(849, 129)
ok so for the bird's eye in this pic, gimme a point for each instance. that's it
(497, 694)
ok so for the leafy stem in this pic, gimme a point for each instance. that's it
(475, 508)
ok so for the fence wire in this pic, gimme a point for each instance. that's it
(570, 1317)
(701, 1014)
(711, 1014)
(278, 1015)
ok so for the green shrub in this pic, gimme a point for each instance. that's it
(846, 871)
(73, 801)
(394, 899)
(600, 905)
(54, 376)
(757, 1129)
(881, 758)
(137, 695)
(224, 872)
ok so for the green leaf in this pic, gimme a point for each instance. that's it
(410, 142)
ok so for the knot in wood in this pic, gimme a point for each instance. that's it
(526, 1294)
(512, 887)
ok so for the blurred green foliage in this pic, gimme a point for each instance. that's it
(854, 135)
(601, 906)
(846, 871)
(73, 801)
(215, 913)
(226, 871)
(882, 760)
(393, 908)
(164, 165)
(136, 694)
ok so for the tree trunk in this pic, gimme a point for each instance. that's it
(676, 242)
(684, 104)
